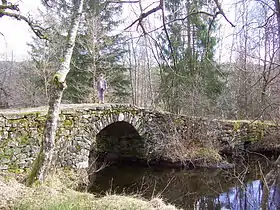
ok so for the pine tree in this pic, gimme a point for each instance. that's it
(96, 52)
(188, 71)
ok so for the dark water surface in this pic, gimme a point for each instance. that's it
(238, 188)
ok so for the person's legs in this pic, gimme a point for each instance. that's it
(101, 96)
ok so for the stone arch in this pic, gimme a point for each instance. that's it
(113, 117)
(119, 140)
(112, 139)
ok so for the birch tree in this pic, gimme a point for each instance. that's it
(43, 162)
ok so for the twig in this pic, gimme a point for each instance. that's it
(263, 177)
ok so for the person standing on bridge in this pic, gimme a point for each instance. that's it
(101, 88)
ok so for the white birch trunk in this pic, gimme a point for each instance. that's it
(43, 162)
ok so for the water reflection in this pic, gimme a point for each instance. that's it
(192, 189)
(249, 197)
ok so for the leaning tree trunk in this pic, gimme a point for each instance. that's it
(44, 160)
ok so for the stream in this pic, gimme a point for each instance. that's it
(237, 188)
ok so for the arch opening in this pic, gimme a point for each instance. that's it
(118, 142)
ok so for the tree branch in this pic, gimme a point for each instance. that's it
(34, 27)
(168, 39)
(222, 13)
(267, 21)
(47, 3)
(146, 14)
(11, 7)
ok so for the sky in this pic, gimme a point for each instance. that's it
(13, 45)
(16, 33)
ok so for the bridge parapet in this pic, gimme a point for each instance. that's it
(164, 136)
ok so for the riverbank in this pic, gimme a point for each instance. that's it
(55, 194)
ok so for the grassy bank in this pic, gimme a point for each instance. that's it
(55, 195)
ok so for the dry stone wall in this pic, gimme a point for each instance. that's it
(165, 136)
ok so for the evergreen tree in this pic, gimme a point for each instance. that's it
(96, 52)
(188, 72)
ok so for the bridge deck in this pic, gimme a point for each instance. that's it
(44, 109)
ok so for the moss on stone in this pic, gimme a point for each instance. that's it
(13, 168)
(20, 121)
(41, 118)
(78, 147)
(236, 126)
(178, 121)
(8, 152)
(24, 140)
(257, 131)
(209, 153)
(68, 123)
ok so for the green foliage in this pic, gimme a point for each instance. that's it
(98, 52)
(191, 70)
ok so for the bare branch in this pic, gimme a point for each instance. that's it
(46, 3)
(168, 39)
(266, 4)
(146, 14)
(222, 13)
(266, 21)
(10, 6)
(34, 27)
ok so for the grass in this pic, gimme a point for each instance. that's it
(45, 198)
(55, 195)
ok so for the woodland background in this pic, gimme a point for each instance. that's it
(171, 61)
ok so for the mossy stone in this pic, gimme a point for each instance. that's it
(68, 123)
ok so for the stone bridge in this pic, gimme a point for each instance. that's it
(125, 131)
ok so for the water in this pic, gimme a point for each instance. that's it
(238, 188)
